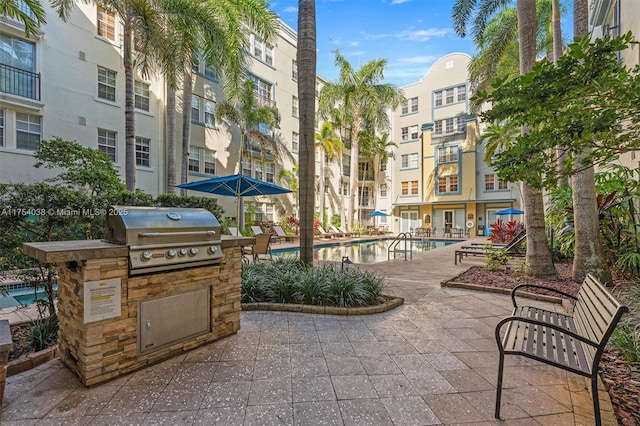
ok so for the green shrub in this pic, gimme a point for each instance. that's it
(496, 258)
(44, 333)
(627, 340)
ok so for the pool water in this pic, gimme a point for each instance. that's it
(365, 252)
(21, 297)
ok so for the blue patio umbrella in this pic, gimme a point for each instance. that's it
(235, 186)
(377, 213)
(509, 211)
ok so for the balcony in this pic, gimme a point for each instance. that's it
(19, 82)
(263, 101)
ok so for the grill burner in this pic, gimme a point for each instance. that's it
(164, 238)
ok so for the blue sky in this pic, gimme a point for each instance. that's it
(410, 34)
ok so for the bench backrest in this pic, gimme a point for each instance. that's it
(596, 314)
(516, 242)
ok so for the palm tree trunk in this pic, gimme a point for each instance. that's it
(353, 178)
(557, 53)
(589, 256)
(171, 141)
(306, 58)
(539, 260)
(129, 113)
(187, 96)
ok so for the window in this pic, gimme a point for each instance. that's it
(263, 91)
(383, 190)
(405, 134)
(28, 131)
(462, 93)
(460, 124)
(327, 183)
(1, 127)
(257, 47)
(344, 188)
(489, 182)
(195, 108)
(16, 53)
(107, 143)
(448, 154)
(246, 167)
(405, 108)
(409, 187)
(447, 184)
(209, 162)
(106, 84)
(209, 109)
(414, 132)
(295, 140)
(449, 96)
(438, 98)
(346, 165)
(270, 172)
(409, 161)
(269, 212)
(257, 170)
(268, 54)
(143, 146)
(294, 70)
(383, 166)
(194, 159)
(264, 128)
(106, 24)
(413, 103)
(294, 106)
(448, 125)
(437, 128)
(141, 95)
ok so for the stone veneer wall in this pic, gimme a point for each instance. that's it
(102, 350)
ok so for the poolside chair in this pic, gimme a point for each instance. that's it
(234, 231)
(518, 236)
(324, 234)
(277, 229)
(257, 230)
(337, 232)
(513, 249)
(353, 234)
(261, 247)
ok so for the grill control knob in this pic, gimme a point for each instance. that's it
(146, 255)
(212, 249)
(193, 251)
(182, 252)
(171, 253)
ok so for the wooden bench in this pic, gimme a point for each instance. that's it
(573, 342)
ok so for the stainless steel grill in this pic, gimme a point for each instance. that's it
(164, 238)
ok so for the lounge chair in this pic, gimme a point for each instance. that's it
(338, 232)
(261, 247)
(423, 233)
(277, 229)
(325, 234)
(513, 249)
(353, 234)
(518, 236)
(234, 231)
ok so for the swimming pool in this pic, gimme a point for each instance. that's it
(14, 297)
(370, 251)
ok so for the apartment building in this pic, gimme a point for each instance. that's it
(613, 18)
(440, 179)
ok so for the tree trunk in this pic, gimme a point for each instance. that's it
(306, 58)
(187, 96)
(589, 256)
(129, 113)
(353, 177)
(539, 260)
(171, 141)
(557, 53)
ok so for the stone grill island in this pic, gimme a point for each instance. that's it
(114, 320)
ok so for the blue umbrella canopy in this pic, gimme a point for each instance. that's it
(377, 213)
(235, 186)
(510, 210)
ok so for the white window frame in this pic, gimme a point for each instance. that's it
(270, 172)
(195, 108)
(489, 182)
(414, 104)
(438, 98)
(383, 190)
(209, 113)
(28, 125)
(294, 70)
(405, 107)
(409, 161)
(437, 128)
(448, 94)
(461, 92)
(295, 142)
(209, 162)
(108, 143)
(404, 134)
(295, 106)
(107, 82)
(142, 99)
(413, 132)
(268, 54)
(194, 159)
(143, 152)
(448, 154)
(2, 127)
(106, 21)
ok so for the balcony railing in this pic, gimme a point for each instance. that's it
(19, 82)
(263, 101)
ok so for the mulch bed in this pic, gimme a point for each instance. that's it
(621, 378)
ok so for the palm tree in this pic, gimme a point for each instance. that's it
(376, 150)
(306, 59)
(363, 101)
(331, 147)
(32, 18)
(589, 256)
(244, 114)
(290, 178)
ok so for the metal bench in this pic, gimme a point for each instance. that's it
(573, 342)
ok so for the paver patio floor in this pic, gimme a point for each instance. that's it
(431, 361)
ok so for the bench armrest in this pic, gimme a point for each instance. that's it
(543, 287)
(543, 324)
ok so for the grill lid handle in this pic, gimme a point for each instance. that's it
(175, 234)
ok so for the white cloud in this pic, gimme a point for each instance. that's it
(394, 2)
(413, 35)
(290, 9)
(353, 43)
